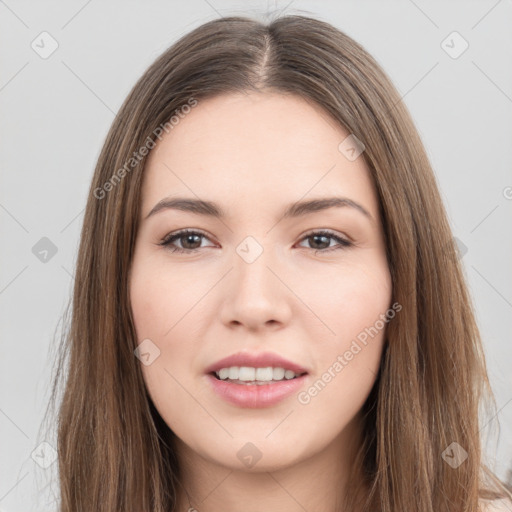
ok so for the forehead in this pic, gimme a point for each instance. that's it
(242, 146)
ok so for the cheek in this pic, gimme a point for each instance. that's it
(163, 310)
(346, 366)
(348, 299)
(350, 341)
(160, 298)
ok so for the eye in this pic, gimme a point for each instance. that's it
(320, 238)
(188, 237)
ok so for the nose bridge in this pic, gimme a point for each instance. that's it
(251, 273)
(255, 295)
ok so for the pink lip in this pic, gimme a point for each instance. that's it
(261, 360)
(253, 395)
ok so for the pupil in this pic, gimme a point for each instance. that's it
(316, 237)
(191, 237)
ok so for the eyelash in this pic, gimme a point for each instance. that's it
(166, 242)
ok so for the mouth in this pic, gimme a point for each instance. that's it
(253, 388)
(254, 380)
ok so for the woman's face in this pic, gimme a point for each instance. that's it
(254, 281)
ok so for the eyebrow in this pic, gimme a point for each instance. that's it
(297, 209)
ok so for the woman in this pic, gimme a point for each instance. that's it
(269, 312)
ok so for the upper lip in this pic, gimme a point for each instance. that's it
(261, 360)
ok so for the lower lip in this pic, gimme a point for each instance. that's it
(253, 395)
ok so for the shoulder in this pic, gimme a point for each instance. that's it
(503, 505)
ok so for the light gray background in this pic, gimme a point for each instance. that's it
(56, 113)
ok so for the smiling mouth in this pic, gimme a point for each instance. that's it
(256, 387)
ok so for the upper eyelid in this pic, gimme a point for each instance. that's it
(186, 231)
(308, 233)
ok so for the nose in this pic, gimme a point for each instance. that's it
(255, 294)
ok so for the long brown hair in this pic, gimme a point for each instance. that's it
(115, 453)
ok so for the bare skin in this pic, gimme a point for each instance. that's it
(305, 298)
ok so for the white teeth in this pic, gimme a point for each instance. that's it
(265, 374)
(223, 374)
(278, 373)
(250, 374)
(245, 373)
